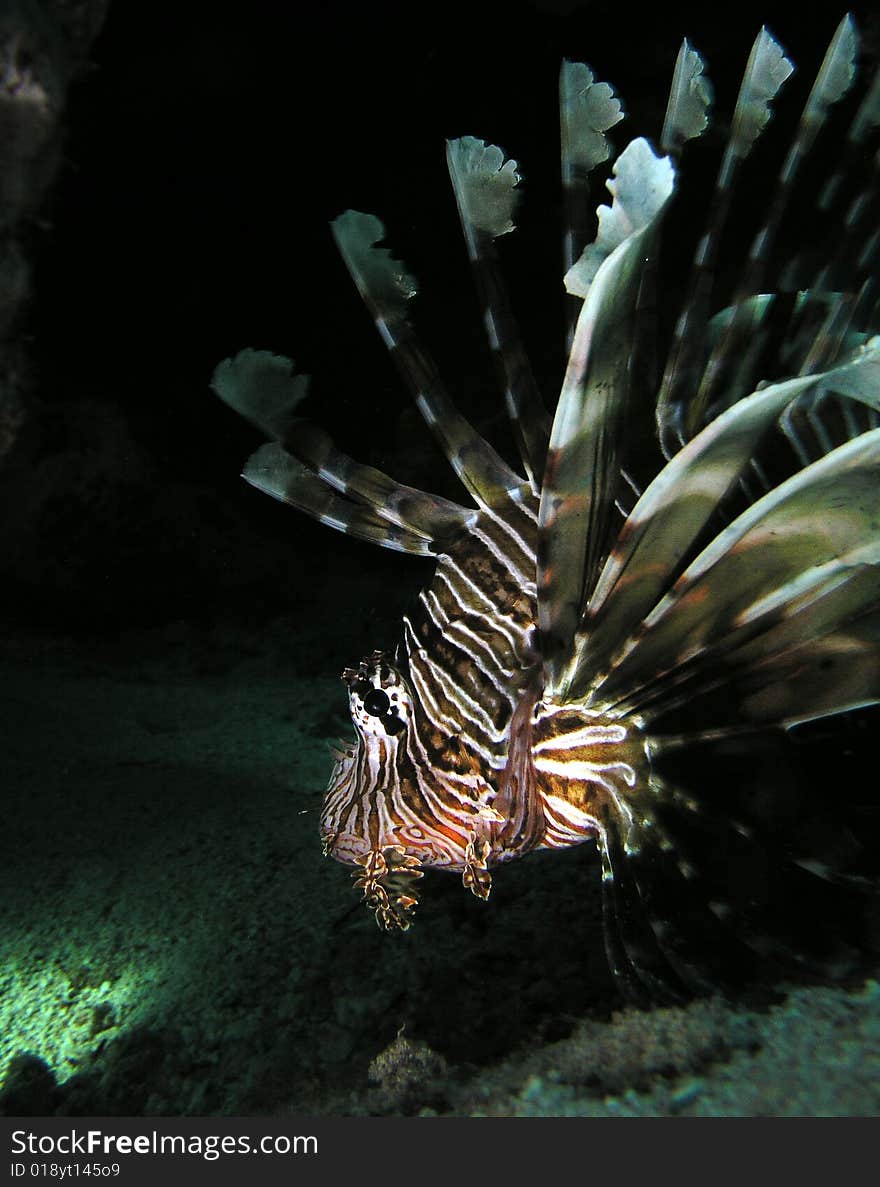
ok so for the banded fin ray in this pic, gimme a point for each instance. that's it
(426, 515)
(807, 627)
(588, 110)
(766, 71)
(386, 288)
(822, 511)
(773, 338)
(698, 892)
(660, 929)
(486, 193)
(853, 209)
(658, 537)
(790, 663)
(641, 965)
(659, 532)
(865, 120)
(266, 389)
(833, 80)
(272, 470)
(585, 454)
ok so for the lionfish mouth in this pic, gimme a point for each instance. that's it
(686, 553)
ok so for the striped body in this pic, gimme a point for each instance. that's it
(468, 759)
(686, 554)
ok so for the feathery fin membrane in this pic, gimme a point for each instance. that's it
(303, 467)
(588, 110)
(262, 387)
(690, 97)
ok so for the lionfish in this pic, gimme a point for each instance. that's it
(685, 553)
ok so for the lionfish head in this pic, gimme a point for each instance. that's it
(375, 817)
(368, 770)
(370, 818)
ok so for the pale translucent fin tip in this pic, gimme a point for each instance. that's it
(687, 113)
(588, 109)
(262, 387)
(485, 184)
(383, 282)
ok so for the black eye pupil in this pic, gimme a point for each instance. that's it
(376, 702)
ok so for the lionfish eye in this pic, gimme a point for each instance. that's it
(376, 702)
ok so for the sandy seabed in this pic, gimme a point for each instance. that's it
(174, 943)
